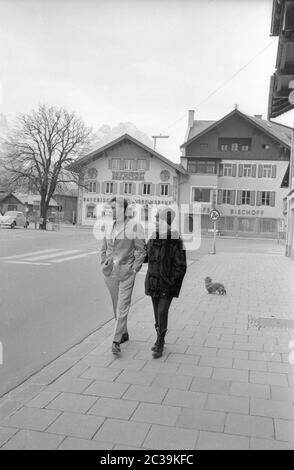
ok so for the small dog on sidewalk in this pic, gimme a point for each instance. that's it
(214, 287)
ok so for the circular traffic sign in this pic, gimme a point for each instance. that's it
(214, 214)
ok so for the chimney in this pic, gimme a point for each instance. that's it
(258, 116)
(191, 118)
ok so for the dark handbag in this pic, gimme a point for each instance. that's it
(107, 267)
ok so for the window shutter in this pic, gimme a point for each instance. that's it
(258, 199)
(121, 188)
(140, 191)
(274, 171)
(147, 164)
(220, 196)
(103, 187)
(122, 164)
(253, 171)
(114, 187)
(259, 171)
(152, 189)
(168, 190)
(134, 188)
(233, 197)
(252, 198)
(234, 169)
(97, 187)
(134, 164)
(158, 189)
(240, 169)
(221, 169)
(239, 197)
(272, 199)
(110, 163)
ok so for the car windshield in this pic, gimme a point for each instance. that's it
(10, 213)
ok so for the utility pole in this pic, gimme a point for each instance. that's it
(160, 136)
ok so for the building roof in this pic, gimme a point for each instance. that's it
(279, 132)
(80, 162)
(30, 198)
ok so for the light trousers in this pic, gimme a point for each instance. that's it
(121, 296)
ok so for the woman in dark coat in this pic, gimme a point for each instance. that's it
(167, 266)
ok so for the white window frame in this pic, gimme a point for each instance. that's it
(224, 147)
(234, 147)
(266, 198)
(128, 186)
(142, 164)
(164, 189)
(148, 186)
(245, 148)
(92, 187)
(247, 170)
(247, 197)
(109, 183)
(267, 169)
(115, 164)
(227, 195)
(128, 164)
(202, 187)
(227, 169)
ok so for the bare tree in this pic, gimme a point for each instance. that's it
(40, 148)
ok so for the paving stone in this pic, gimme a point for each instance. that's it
(236, 338)
(201, 351)
(170, 438)
(248, 346)
(101, 388)
(145, 394)
(219, 441)
(222, 331)
(250, 390)
(195, 371)
(156, 414)
(53, 371)
(203, 384)
(185, 399)
(250, 365)
(249, 426)
(76, 425)
(73, 443)
(113, 408)
(232, 353)
(227, 403)
(32, 440)
(31, 418)
(173, 381)
(155, 366)
(25, 392)
(202, 420)
(123, 432)
(216, 361)
(280, 368)
(136, 377)
(72, 402)
(183, 358)
(272, 408)
(8, 407)
(43, 399)
(284, 430)
(69, 384)
(269, 378)
(266, 444)
(6, 434)
(101, 373)
(282, 393)
(129, 364)
(219, 344)
(236, 375)
(96, 361)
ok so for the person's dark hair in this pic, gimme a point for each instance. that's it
(120, 200)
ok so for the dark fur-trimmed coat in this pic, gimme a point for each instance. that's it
(167, 265)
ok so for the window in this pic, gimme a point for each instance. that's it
(12, 207)
(90, 211)
(109, 188)
(245, 225)
(227, 196)
(201, 194)
(115, 164)
(91, 187)
(265, 198)
(224, 147)
(146, 189)
(141, 164)
(228, 168)
(247, 171)
(234, 144)
(245, 148)
(128, 164)
(235, 147)
(128, 188)
(202, 167)
(268, 225)
(266, 171)
(245, 197)
(164, 190)
(226, 224)
(265, 146)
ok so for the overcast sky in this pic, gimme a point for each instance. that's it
(143, 61)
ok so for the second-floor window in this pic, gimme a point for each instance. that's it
(128, 164)
(228, 169)
(266, 171)
(115, 164)
(265, 198)
(109, 188)
(141, 164)
(247, 171)
(201, 194)
(202, 167)
(146, 189)
(92, 187)
(128, 188)
(245, 197)
(227, 196)
(164, 190)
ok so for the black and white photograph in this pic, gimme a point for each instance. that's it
(147, 227)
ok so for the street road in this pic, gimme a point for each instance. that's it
(52, 293)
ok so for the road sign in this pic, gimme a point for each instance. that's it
(214, 215)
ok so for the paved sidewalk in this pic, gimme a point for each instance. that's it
(221, 384)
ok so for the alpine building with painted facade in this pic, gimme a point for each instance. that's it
(128, 168)
(239, 165)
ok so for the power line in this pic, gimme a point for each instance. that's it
(226, 82)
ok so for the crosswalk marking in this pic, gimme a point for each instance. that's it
(26, 262)
(61, 260)
(32, 253)
(53, 255)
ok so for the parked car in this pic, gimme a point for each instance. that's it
(13, 219)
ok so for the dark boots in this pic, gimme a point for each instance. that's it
(159, 344)
(157, 339)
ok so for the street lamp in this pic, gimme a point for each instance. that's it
(160, 136)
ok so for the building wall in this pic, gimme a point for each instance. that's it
(102, 165)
